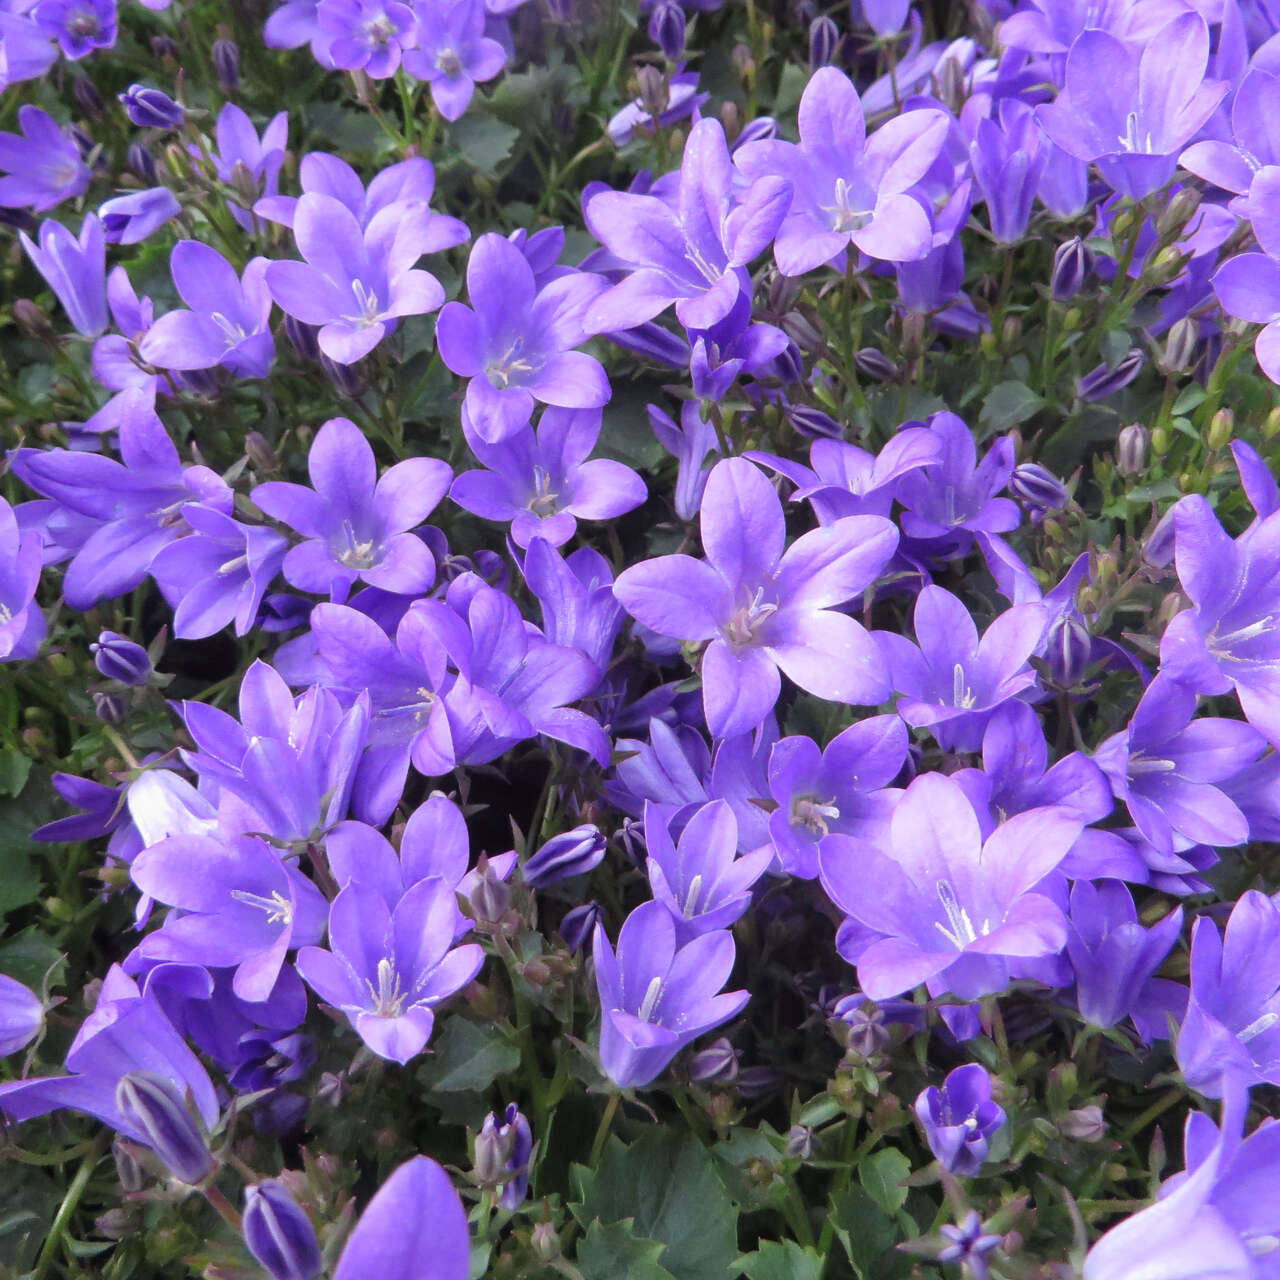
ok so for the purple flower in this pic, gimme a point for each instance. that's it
(357, 524)
(513, 1141)
(1216, 1219)
(387, 969)
(119, 658)
(241, 906)
(571, 853)
(1248, 287)
(75, 269)
(959, 1119)
(949, 908)
(541, 482)
(700, 879)
(79, 26)
(953, 681)
(657, 997)
(136, 507)
(152, 108)
(22, 623)
(1231, 1034)
(846, 188)
(838, 789)
(576, 597)
(1132, 108)
(1252, 149)
(150, 1104)
(1009, 155)
(693, 252)
(414, 1226)
(689, 443)
(515, 343)
(367, 35)
(43, 164)
(131, 218)
(1115, 958)
(355, 281)
(278, 1234)
(218, 574)
(1165, 767)
(21, 1016)
(240, 149)
(683, 99)
(729, 348)
(969, 1243)
(453, 54)
(762, 608)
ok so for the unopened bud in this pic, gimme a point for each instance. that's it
(1132, 449)
(545, 1242)
(1105, 380)
(799, 1143)
(151, 108)
(244, 183)
(1160, 441)
(667, 25)
(142, 163)
(88, 99)
(1085, 1124)
(490, 899)
(731, 123)
(803, 332)
(871, 362)
(109, 707)
(1179, 348)
(743, 63)
(33, 321)
(152, 1106)
(915, 327)
(1011, 334)
(1165, 267)
(119, 658)
(716, 1064)
(346, 378)
(1037, 487)
(579, 924)
(129, 1168)
(824, 40)
(303, 337)
(1158, 548)
(165, 48)
(279, 1234)
(1221, 429)
(1175, 216)
(571, 853)
(1072, 264)
(226, 64)
(260, 453)
(654, 93)
(813, 423)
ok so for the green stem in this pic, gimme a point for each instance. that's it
(70, 1202)
(602, 1133)
(1156, 1109)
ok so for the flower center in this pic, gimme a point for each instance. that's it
(846, 215)
(961, 694)
(743, 628)
(388, 999)
(813, 814)
(278, 908)
(366, 304)
(958, 930)
(449, 62)
(353, 553)
(234, 333)
(543, 501)
(1132, 140)
(508, 368)
(380, 30)
(1257, 1027)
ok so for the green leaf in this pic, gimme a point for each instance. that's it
(28, 957)
(865, 1230)
(468, 1058)
(783, 1260)
(883, 1176)
(668, 1186)
(1191, 398)
(615, 1252)
(14, 768)
(483, 141)
(1009, 404)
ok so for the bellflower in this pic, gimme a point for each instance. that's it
(541, 481)
(127, 1031)
(837, 789)
(278, 1234)
(151, 108)
(290, 762)
(657, 997)
(1228, 638)
(22, 623)
(848, 188)
(694, 252)
(387, 969)
(763, 608)
(29, 53)
(227, 321)
(1234, 163)
(683, 99)
(1131, 109)
(241, 149)
(1165, 767)
(414, 1226)
(689, 443)
(949, 908)
(1115, 958)
(43, 165)
(699, 878)
(79, 26)
(452, 52)
(21, 1015)
(355, 281)
(575, 594)
(366, 35)
(136, 505)
(1217, 1218)
(241, 907)
(131, 218)
(951, 680)
(959, 1119)
(515, 343)
(1009, 155)
(357, 524)
(75, 268)
(219, 574)
(1231, 1034)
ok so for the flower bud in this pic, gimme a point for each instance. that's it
(21, 1015)
(1037, 487)
(490, 899)
(867, 1034)
(667, 26)
(88, 99)
(226, 64)
(758, 1082)
(279, 1234)
(346, 378)
(1271, 424)
(142, 163)
(654, 92)
(303, 338)
(1085, 1124)
(545, 1242)
(789, 366)
(151, 108)
(1179, 349)
(33, 321)
(716, 1064)
(154, 1108)
(119, 658)
(824, 40)
(1176, 215)
(1221, 428)
(761, 129)
(1072, 264)
(1157, 549)
(489, 1158)
(571, 853)
(109, 707)
(1133, 446)
(165, 48)
(1103, 381)
(803, 332)
(731, 123)
(743, 62)
(799, 1143)
(813, 424)
(579, 924)
(783, 290)
(1070, 651)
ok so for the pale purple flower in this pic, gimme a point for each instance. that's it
(240, 149)
(366, 35)
(515, 342)
(683, 99)
(689, 443)
(387, 969)
(130, 219)
(575, 594)
(762, 607)
(22, 622)
(356, 523)
(846, 188)
(452, 53)
(79, 26)
(43, 164)
(657, 997)
(227, 322)
(75, 268)
(21, 1015)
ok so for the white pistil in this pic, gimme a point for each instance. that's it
(650, 1001)
(959, 928)
(278, 908)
